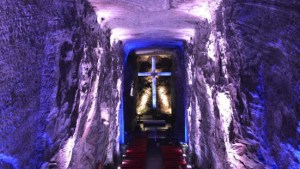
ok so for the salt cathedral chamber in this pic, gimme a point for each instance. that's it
(149, 84)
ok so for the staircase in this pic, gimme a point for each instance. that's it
(135, 156)
(142, 153)
(145, 151)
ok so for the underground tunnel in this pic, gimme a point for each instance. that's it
(160, 84)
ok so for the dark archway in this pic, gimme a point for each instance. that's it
(176, 85)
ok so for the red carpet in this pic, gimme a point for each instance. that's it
(172, 157)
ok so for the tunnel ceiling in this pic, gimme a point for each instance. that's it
(138, 19)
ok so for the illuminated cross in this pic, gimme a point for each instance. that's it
(153, 74)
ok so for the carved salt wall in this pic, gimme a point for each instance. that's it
(262, 34)
(93, 131)
(61, 86)
(244, 94)
(27, 74)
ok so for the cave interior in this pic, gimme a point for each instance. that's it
(202, 84)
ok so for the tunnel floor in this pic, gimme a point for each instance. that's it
(154, 156)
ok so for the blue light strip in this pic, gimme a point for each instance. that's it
(154, 92)
(153, 82)
(144, 74)
(121, 122)
(164, 74)
(186, 134)
(137, 44)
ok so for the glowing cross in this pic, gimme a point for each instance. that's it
(153, 73)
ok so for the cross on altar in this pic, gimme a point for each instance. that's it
(153, 74)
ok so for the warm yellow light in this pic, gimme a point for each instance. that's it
(168, 56)
(142, 102)
(164, 99)
(143, 58)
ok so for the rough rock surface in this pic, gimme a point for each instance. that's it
(244, 105)
(61, 79)
(54, 56)
(26, 65)
(262, 35)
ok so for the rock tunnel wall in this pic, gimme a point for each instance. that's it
(244, 97)
(25, 63)
(269, 74)
(93, 137)
(60, 86)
